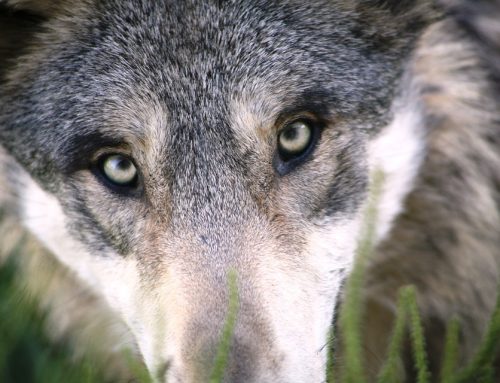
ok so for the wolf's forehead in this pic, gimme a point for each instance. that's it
(194, 61)
(212, 48)
(196, 58)
(185, 49)
(185, 67)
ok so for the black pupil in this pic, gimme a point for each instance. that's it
(123, 164)
(291, 133)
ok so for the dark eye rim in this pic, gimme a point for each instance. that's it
(131, 189)
(284, 163)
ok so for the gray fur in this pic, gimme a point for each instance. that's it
(291, 49)
(446, 243)
(158, 80)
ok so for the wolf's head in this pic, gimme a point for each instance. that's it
(166, 143)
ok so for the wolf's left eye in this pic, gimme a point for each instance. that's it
(119, 170)
(295, 142)
(294, 139)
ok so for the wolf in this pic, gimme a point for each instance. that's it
(154, 148)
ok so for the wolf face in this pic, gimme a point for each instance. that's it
(165, 144)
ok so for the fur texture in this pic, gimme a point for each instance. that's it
(196, 94)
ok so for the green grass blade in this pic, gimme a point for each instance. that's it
(330, 357)
(222, 356)
(138, 370)
(417, 335)
(26, 354)
(480, 367)
(352, 310)
(390, 370)
(450, 356)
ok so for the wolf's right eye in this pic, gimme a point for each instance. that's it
(119, 170)
(296, 141)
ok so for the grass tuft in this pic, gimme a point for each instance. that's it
(449, 364)
(222, 356)
(480, 369)
(330, 357)
(417, 334)
(27, 356)
(352, 309)
(391, 369)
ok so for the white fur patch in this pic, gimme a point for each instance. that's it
(301, 307)
(332, 253)
(112, 277)
(398, 151)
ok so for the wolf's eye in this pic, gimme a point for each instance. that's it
(295, 142)
(294, 139)
(119, 170)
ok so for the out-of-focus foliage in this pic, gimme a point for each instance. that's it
(480, 370)
(26, 354)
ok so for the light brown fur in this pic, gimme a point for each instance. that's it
(447, 241)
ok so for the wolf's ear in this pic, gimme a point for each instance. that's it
(19, 21)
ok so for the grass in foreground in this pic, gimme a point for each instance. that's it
(27, 356)
(481, 369)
